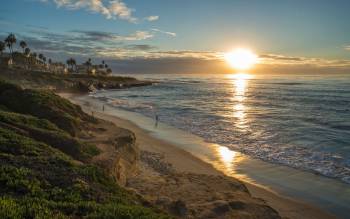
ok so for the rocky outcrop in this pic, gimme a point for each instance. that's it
(127, 156)
(82, 83)
(119, 153)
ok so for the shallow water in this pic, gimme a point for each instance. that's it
(300, 121)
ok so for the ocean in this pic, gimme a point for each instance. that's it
(301, 121)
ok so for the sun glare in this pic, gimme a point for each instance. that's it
(241, 59)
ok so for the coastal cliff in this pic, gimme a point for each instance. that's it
(48, 153)
(77, 83)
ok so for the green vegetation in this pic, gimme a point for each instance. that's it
(39, 173)
(46, 105)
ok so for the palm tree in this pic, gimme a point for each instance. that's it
(50, 62)
(41, 56)
(34, 55)
(2, 47)
(88, 64)
(27, 51)
(27, 54)
(71, 62)
(10, 40)
(102, 65)
(23, 45)
(74, 63)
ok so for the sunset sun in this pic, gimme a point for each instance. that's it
(241, 59)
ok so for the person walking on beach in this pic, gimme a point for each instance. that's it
(103, 107)
(157, 120)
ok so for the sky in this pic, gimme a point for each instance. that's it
(186, 36)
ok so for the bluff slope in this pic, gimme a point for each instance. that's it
(47, 161)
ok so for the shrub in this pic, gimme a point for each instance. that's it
(45, 105)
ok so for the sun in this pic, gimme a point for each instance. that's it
(241, 59)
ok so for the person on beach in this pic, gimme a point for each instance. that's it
(157, 120)
(103, 107)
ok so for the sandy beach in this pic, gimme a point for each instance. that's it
(159, 157)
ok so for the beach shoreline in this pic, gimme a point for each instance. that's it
(184, 161)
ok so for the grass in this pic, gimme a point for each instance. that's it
(45, 105)
(39, 175)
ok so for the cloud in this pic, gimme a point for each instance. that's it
(115, 8)
(5, 22)
(36, 27)
(280, 57)
(152, 18)
(142, 47)
(119, 9)
(80, 43)
(203, 55)
(108, 36)
(279, 60)
(164, 32)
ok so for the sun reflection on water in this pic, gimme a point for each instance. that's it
(240, 82)
(227, 156)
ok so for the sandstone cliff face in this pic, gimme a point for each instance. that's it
(119, 153)
(127, 156)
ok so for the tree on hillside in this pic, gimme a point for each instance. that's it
(102, 65)
(23, 45)
(2, 47)
(10, 40)
(41, 56)
(50, 63)
(27, 51)
(71, 62)
(34, 55)
(27, 55)
(88, 65)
